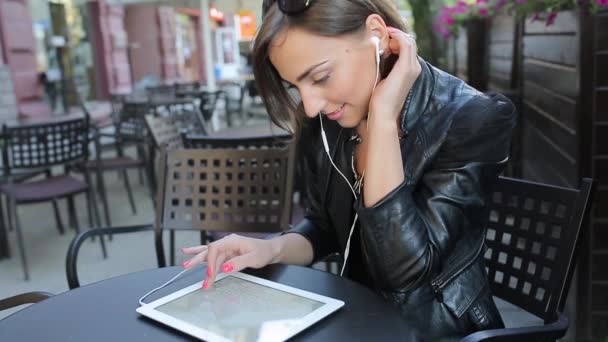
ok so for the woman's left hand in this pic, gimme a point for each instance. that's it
(390, 94)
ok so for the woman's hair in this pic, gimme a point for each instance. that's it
(326, 18)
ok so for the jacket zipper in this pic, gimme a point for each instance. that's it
(444, 279)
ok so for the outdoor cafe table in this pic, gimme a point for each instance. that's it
(105, 311)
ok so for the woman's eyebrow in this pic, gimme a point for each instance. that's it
(307, 72)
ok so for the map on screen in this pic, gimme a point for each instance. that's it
(240, 310)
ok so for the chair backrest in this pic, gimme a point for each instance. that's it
(130, 121)
(24, 298)
(205, 142)
(57, 142)
(225, 189)
(164, 132)
(531, 238)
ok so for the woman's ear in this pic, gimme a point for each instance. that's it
(375, 27)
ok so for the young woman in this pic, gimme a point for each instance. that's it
(399, 155)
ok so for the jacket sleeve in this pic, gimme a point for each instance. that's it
(316, 226)
(406, 235)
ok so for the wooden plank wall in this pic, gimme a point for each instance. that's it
(500, 53)
(596, 327)
(456, 56)
(504, 57)
(461, 55)
(550, 137)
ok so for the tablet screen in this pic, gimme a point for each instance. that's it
(238, 309)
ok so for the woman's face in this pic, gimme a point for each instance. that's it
(334, 75)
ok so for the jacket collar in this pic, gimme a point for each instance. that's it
(418, 98)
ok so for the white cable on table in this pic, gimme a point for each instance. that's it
(141, 300)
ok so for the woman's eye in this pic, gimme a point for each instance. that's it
(321, 81)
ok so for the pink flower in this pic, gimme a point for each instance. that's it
(536, 17)
(483, 12)
(551, 18)
(602, 2)
(500, 4)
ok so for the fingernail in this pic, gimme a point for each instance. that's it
(186, 264)
(205, 284)
(208, 272)
(227, 268)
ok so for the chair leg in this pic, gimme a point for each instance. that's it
(73, 215)
(172, 247)
(4, 247)
(101, 185)
(94, 219)
(140, 156)
(9, 214)
(58, 217)
(125, 179)
(92, 210)
(13, 209)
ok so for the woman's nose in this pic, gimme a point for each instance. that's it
(313, 103)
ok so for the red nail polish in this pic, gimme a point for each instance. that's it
(227, 268)
(186, 264)
(205, 284)
(208, 271)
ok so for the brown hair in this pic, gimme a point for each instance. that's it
(326, 18)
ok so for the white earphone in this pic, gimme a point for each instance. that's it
(378, 52)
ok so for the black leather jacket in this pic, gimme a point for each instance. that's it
(421, 246)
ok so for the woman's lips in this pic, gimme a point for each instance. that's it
(337, 114)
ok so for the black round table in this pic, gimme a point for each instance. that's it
(105, 311)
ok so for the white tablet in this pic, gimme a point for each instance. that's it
(241, 307)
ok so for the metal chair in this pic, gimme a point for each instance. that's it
(24, 298)
(224, 190)
(44, 145)
(532, 236)
(212, 190)
(129, 130)
(206, 142)
(71, 261)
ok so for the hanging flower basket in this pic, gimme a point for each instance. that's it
(451, 17)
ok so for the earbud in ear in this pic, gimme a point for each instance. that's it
(376, 42)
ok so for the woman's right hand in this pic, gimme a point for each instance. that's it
(231, 254)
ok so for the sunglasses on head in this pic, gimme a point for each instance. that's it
(289, 7)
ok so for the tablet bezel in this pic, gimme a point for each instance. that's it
(329, 306)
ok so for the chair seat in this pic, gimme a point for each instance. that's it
(45, 189)
(115, 163)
